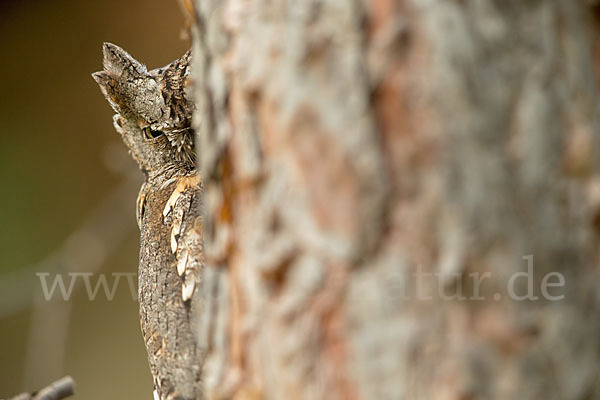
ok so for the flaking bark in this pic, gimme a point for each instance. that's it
(347, 146)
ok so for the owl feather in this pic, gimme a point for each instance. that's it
(154, 120)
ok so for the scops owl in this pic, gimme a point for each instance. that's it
(154, 120)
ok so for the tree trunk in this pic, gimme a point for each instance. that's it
(402, 198)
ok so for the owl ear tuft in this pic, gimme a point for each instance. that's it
(120, 63)
(102, 78)
(110, 88)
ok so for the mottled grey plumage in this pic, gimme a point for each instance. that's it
(154, 119)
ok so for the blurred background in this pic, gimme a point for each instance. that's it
(68, 194)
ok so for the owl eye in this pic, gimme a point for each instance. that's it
(150, 134)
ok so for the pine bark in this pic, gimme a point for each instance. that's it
(351, 148)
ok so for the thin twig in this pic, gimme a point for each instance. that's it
(57, 390)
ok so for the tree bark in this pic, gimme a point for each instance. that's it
(384, 182)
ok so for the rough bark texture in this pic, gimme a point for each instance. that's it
(349, 148)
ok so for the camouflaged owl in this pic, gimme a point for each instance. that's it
(154, 120)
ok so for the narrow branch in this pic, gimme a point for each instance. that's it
(57, 390)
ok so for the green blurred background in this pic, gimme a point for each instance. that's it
(68, 193)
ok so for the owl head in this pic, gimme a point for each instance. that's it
(153, 109)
